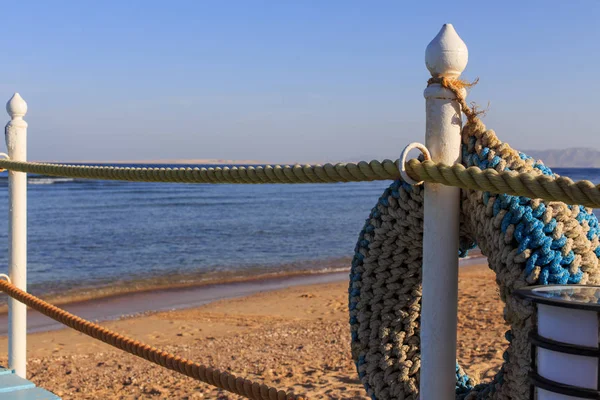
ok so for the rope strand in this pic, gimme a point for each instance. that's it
(215, 377)
(517, 184)
(513, 183)
(328, 173)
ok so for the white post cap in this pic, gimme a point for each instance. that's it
(16, 107)
(447, 55)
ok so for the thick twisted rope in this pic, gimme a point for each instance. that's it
(525, 184)
(328, 173)
(220, 379)
(550, 188)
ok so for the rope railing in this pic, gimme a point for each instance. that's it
(328, 173)
(518, 184)
(508, 182)
(220, 379)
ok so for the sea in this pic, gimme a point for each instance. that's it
(89, 234)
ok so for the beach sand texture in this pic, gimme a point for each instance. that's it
(294, 338)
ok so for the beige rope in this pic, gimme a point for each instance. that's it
(514, 183)
(328, 173)
(526, 184)
(220, 379)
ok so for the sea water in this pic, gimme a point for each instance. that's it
(86, 233)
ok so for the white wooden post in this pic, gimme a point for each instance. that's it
(16, 142)
(446, 56)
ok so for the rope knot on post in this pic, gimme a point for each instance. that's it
(459, 87)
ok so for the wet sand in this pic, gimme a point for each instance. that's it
(90, 294)
(297, 338)
(140, 302)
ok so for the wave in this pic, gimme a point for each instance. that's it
(48, 181)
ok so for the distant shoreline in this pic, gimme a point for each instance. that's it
(213, 161)
(199, 161)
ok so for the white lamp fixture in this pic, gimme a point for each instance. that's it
(565, 351)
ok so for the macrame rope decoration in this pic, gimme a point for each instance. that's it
(527, 242)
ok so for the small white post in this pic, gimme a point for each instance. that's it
(16, 142)
(446, 56)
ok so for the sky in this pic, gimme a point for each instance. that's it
(289, 81)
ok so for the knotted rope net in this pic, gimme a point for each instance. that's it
(527, 241)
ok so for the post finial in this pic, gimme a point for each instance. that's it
(447, 55)
(16, 107)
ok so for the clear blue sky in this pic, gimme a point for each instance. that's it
(289, 80)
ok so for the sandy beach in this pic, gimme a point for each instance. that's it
(296, 338)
